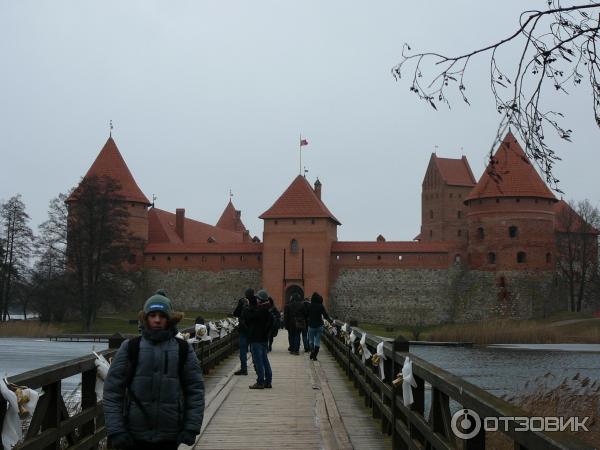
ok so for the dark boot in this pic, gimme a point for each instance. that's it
(312, 354)
(316, 352)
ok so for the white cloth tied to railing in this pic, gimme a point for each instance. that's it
(213, 331)
(102, 366)
(202, 332)
(223, 331)
(408, 381)
(352, 337)
(381, 360)
(366, 353)
(11, 426)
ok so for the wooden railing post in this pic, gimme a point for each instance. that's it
(88, 399)
(400, 345)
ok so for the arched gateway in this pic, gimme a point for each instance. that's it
(291, 290)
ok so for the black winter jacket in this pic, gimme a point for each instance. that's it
(171, 405)
(257, 317)
(316, 311)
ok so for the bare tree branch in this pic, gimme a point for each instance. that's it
(560, 44)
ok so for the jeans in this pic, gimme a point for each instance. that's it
(244, 352)
(314, 336)
(261, 362)
(294, 335)
(305, 340)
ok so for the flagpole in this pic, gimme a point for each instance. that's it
(300, 143)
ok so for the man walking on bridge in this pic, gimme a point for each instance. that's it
(258, 320)
(154, 393)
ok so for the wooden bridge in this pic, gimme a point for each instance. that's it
(338, 402)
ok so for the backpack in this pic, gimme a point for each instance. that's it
(133, 353)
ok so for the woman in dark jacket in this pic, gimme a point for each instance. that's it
(316, 312)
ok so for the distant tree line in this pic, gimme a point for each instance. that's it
(60, 278)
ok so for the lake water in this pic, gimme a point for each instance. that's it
(18, 355)
(497, 369)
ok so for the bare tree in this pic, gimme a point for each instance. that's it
(17, 239)
(98, 242)
(577, 245)
(559, 50)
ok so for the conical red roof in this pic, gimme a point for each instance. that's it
(110, 163)
(511, 175)
(231, 219)
(298, 201)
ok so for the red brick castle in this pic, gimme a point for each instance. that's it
(485, 247)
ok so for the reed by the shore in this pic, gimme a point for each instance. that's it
(27, 328)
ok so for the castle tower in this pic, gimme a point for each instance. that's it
(298, 233)
(446, 185)
(510, 214)
(110, 163)
(231, 219)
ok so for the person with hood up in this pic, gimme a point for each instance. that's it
(154, 401)
(316, 312)
(242, 305)
(295, 322)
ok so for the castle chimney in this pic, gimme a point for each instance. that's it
(179, 222)
(318, 188)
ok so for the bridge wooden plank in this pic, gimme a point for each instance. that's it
(295, 414)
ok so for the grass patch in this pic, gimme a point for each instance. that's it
(27, 328)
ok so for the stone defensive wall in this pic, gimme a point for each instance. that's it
(421, 296)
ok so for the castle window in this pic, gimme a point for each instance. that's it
(431, 213)
(548, 258)
(358, 257)
(536, 200)
(399, 257)
(294, 246)
(242, 258)
(518, 200)
(168, 258)
(521, 257)
(203, 258)
(459, 195)
(154, 258)
(450, 195)
(459, 214)
(337, 257)
(185, 258)
(312, 221)
(480, 233)
(294, 222)
(457, 259)
(222, 258)
(513, 231)
(430, 233)
(276, 222)
(497, 200)
(378, 256)
(491, 258)
(258, 257)
(459, 233)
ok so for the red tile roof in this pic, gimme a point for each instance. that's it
(510, 174)
(231, 219)
(237, 247)
(455, 172)
(390, 247)
(566, 220)
(161, 229)
(110, 163)
(298, 201)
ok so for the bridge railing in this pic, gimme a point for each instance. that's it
(416, 427)
(52, 422)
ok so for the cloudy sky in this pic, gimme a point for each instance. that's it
(208, 96)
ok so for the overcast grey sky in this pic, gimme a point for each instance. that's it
(208, 96)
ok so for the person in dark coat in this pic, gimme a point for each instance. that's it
(316, 312)
(257, 317)
(295, 321)
(243, 330)
(161, 407)
(276, 322)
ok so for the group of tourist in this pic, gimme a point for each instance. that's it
(154, 392)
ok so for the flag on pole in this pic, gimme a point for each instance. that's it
(303, 142)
